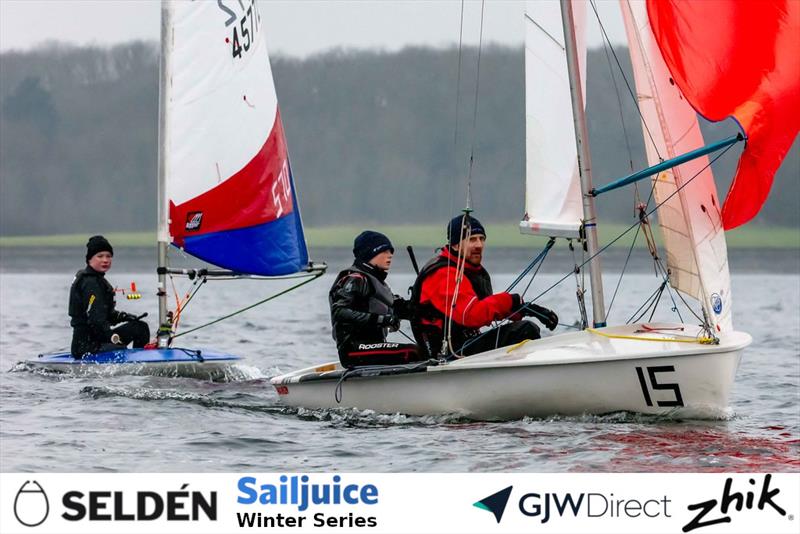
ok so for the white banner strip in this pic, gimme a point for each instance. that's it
(398, 503)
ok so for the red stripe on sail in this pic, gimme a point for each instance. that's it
(738, 59)
(258, 193)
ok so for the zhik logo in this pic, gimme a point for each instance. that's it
(495, 503)
(734, 499)
(31, 506)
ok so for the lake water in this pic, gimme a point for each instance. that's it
(52, 422)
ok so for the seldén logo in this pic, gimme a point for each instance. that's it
(31, 506)
(738, 500)
(495, 503)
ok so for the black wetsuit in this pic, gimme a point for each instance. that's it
(360, 303)
(93, 313)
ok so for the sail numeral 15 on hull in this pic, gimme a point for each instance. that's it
(651, 383)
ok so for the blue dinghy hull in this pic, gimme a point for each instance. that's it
(207, 364)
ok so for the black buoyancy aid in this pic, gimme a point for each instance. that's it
(429, 323)
(77, 306)
(381, 297)
(377, 300)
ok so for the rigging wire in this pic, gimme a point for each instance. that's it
(458, 109)
(458, 78)
(622, 273)
(475, 111)
(619, 103)
(465, 231)
(622, 72)
(309, 278)
(652, 248)
(455, 152)
(631, 227)
(532, 264)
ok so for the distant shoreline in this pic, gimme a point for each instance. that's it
(500, 235)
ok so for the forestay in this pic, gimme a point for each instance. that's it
(552, 189)
(228, 179)
(690, 220)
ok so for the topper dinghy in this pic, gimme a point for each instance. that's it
(225, 187)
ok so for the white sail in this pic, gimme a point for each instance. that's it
(552, 188)
(227, 179)
(222, 101)
(690, 219)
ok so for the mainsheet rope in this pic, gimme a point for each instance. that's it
(308, 278)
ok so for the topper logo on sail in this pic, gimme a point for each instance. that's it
(193, 220)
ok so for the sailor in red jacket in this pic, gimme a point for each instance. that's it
(461, 305)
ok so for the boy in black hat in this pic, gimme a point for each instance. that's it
(363, 307)
(92, 307)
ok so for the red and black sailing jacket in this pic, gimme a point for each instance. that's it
(475, 305)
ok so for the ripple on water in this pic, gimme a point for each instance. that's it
(188, 423)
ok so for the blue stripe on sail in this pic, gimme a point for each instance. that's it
(271, 249)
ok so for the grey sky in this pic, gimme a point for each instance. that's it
(297, 28)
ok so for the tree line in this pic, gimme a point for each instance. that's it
(374, 137)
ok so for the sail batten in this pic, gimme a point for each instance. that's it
(228, 179)
(689, 216)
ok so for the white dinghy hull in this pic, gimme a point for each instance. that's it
(649, 372)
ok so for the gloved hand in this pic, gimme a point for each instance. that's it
(125, 317)
(402, 308)
(390, 321)
(545, 316)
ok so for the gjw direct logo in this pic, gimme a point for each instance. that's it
(32, 505)
(495, 503)
(548, 505)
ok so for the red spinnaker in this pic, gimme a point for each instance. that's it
(742, 59)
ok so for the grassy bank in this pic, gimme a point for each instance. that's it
(500, 235)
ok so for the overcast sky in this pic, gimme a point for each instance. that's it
(298, 28)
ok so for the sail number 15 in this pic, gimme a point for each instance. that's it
(651, 383)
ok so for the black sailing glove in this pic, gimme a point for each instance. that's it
(545, 316)
(124, 317)
(390, 321)
(402, 308)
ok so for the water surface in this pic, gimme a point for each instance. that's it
(62, 423)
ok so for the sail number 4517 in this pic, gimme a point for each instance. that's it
(651, 383)
(244, 28)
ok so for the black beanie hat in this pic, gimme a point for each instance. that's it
(97, 243)
(369, 244)
(454, 228)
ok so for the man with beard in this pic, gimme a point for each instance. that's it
(453, 294)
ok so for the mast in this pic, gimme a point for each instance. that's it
(584, 164)
(163, 213)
